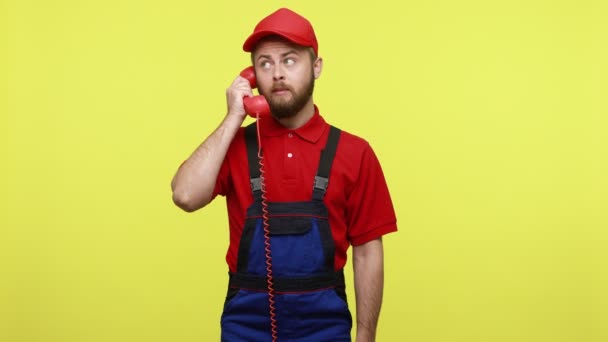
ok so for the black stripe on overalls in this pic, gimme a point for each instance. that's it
(329, 278)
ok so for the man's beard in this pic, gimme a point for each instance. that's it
(282, 108)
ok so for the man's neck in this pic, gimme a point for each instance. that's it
(301, 118)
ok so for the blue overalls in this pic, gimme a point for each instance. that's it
(310, 297)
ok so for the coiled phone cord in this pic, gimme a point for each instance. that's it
(266, 224)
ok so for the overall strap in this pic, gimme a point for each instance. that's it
(327, 158)
(251, 141)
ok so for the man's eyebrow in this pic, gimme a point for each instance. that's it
(282, 55)
(289, 53)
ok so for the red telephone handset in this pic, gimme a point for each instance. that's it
(254, 105)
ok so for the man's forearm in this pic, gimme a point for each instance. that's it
(195, 180)
(368, 266)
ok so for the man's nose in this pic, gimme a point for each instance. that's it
(278, 73)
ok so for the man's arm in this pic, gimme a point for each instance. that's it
(194, 182)
(368, 267)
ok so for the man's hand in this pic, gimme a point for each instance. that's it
(234, 97)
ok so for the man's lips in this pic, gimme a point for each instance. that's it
(280, 91)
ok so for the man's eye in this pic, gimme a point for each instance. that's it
(265, 65)
(290, 61)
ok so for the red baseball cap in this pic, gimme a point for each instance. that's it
(287, 24)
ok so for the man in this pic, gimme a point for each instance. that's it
(322, 191)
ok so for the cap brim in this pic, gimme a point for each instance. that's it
(250, 43)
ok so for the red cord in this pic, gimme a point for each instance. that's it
(265, 220)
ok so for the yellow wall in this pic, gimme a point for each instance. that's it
(489, 119)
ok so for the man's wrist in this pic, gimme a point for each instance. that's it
(365, 334)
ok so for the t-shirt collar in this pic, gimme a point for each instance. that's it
(310, 131)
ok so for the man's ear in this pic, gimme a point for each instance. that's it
(317, 67)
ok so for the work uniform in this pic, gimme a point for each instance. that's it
(325, 191)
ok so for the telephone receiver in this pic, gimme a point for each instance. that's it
(254, 105)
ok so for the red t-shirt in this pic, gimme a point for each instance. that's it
(357, 197)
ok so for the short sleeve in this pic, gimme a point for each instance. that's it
(369, 209)
(222, 184)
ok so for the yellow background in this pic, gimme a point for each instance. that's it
(489, 118)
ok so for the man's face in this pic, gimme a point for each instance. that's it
(285, 75)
